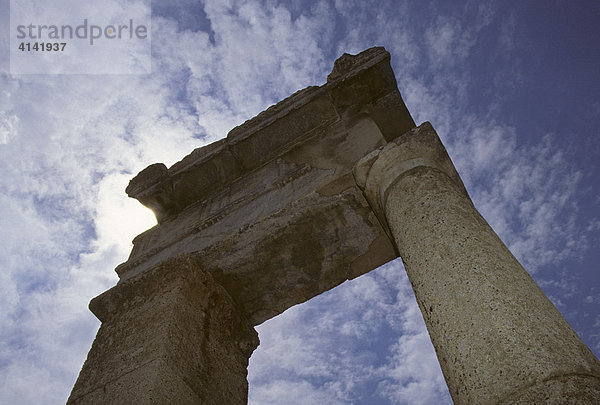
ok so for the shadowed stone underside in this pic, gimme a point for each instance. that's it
(327, 185)
(252, 205)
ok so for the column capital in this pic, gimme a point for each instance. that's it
(376, 172)
(497, 336)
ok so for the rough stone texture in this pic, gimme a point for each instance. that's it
(171, 335)
(569, 389)
(497, 337)
(271, 216)
(277, 185)
(153, 188)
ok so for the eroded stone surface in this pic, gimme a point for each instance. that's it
(266, 218)
(171, 335)
(276, 213)
(496, 334)
(288, 168)
(367, 88)
(566, 389)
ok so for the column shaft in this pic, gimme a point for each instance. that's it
(498, 338)
(172, 335)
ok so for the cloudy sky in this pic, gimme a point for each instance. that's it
(512, 88)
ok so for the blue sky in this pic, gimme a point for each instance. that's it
(511, 87)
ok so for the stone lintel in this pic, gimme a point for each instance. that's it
(360, 84)
(279, 185)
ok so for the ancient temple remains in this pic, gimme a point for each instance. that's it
(323, 187)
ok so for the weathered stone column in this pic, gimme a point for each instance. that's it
(169, 336)
(498, 338)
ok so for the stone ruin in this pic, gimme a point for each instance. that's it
(322, 187)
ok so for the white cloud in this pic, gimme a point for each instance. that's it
(527, 193)
(123, 54)
(413, 374)
(8, 127)
(66, 221)
(363, 342)
(293, 393)
(69, 144)
(65, 218)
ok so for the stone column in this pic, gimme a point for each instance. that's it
(498, 338)
(169, 336)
